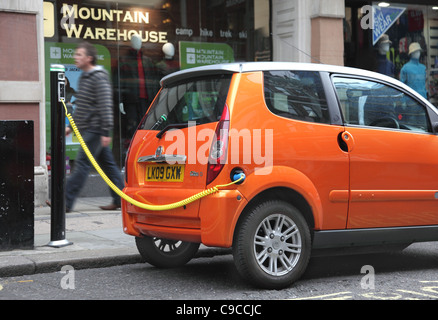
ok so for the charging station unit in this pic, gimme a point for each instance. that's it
(58, 179)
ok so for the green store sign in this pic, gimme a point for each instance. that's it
(195, 54)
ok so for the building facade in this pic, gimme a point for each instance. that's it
(140, 41)
(22, 76)
(308, 31)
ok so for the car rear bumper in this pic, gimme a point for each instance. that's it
(213, 227)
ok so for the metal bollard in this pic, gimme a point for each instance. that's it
(57, 209)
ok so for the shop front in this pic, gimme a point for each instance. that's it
(139, 42)
(399, 39)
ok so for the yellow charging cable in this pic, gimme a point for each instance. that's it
(128, 198)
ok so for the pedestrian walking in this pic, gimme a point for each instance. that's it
(93, 116)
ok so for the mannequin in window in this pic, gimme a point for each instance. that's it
(139, 83)
(413, 73)
(168, 64)
(384, 66)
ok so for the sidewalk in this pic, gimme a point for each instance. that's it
(97, 241)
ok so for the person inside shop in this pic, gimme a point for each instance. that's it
(384, 66)
(413, 73)
(168, 64)
(139, 82)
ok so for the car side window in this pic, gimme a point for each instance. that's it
(369, 103)
(296, 95)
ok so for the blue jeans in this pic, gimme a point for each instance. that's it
(82, 167)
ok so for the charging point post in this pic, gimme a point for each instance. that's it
(57, 183)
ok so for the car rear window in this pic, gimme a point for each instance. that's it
(297, 95)
(200, 100)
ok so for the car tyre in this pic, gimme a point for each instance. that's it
(165, 253)
(272, 246)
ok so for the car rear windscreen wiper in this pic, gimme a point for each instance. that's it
(170, 127)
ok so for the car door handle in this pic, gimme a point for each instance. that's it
(346, 141)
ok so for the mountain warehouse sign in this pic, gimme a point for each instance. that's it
(72, 14)
(104, 15)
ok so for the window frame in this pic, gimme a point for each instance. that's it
(432, 117)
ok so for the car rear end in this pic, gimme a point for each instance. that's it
(179, 150)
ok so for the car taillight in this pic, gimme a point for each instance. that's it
(126, 160)
(219, 146)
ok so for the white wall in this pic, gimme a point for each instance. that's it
(291, 26)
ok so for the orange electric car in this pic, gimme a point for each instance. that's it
(318, 157)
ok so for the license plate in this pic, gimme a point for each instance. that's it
(165, 172)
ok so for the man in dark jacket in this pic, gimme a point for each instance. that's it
(93, 116)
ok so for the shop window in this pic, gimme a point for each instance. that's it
(386, 48)
(158, 37)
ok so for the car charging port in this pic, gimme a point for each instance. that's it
(236, 174)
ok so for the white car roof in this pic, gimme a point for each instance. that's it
(242, 67)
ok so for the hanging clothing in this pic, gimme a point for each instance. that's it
(141, 78)
(384, 66)
(413, 74)
(138, 71)
(139, 83)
